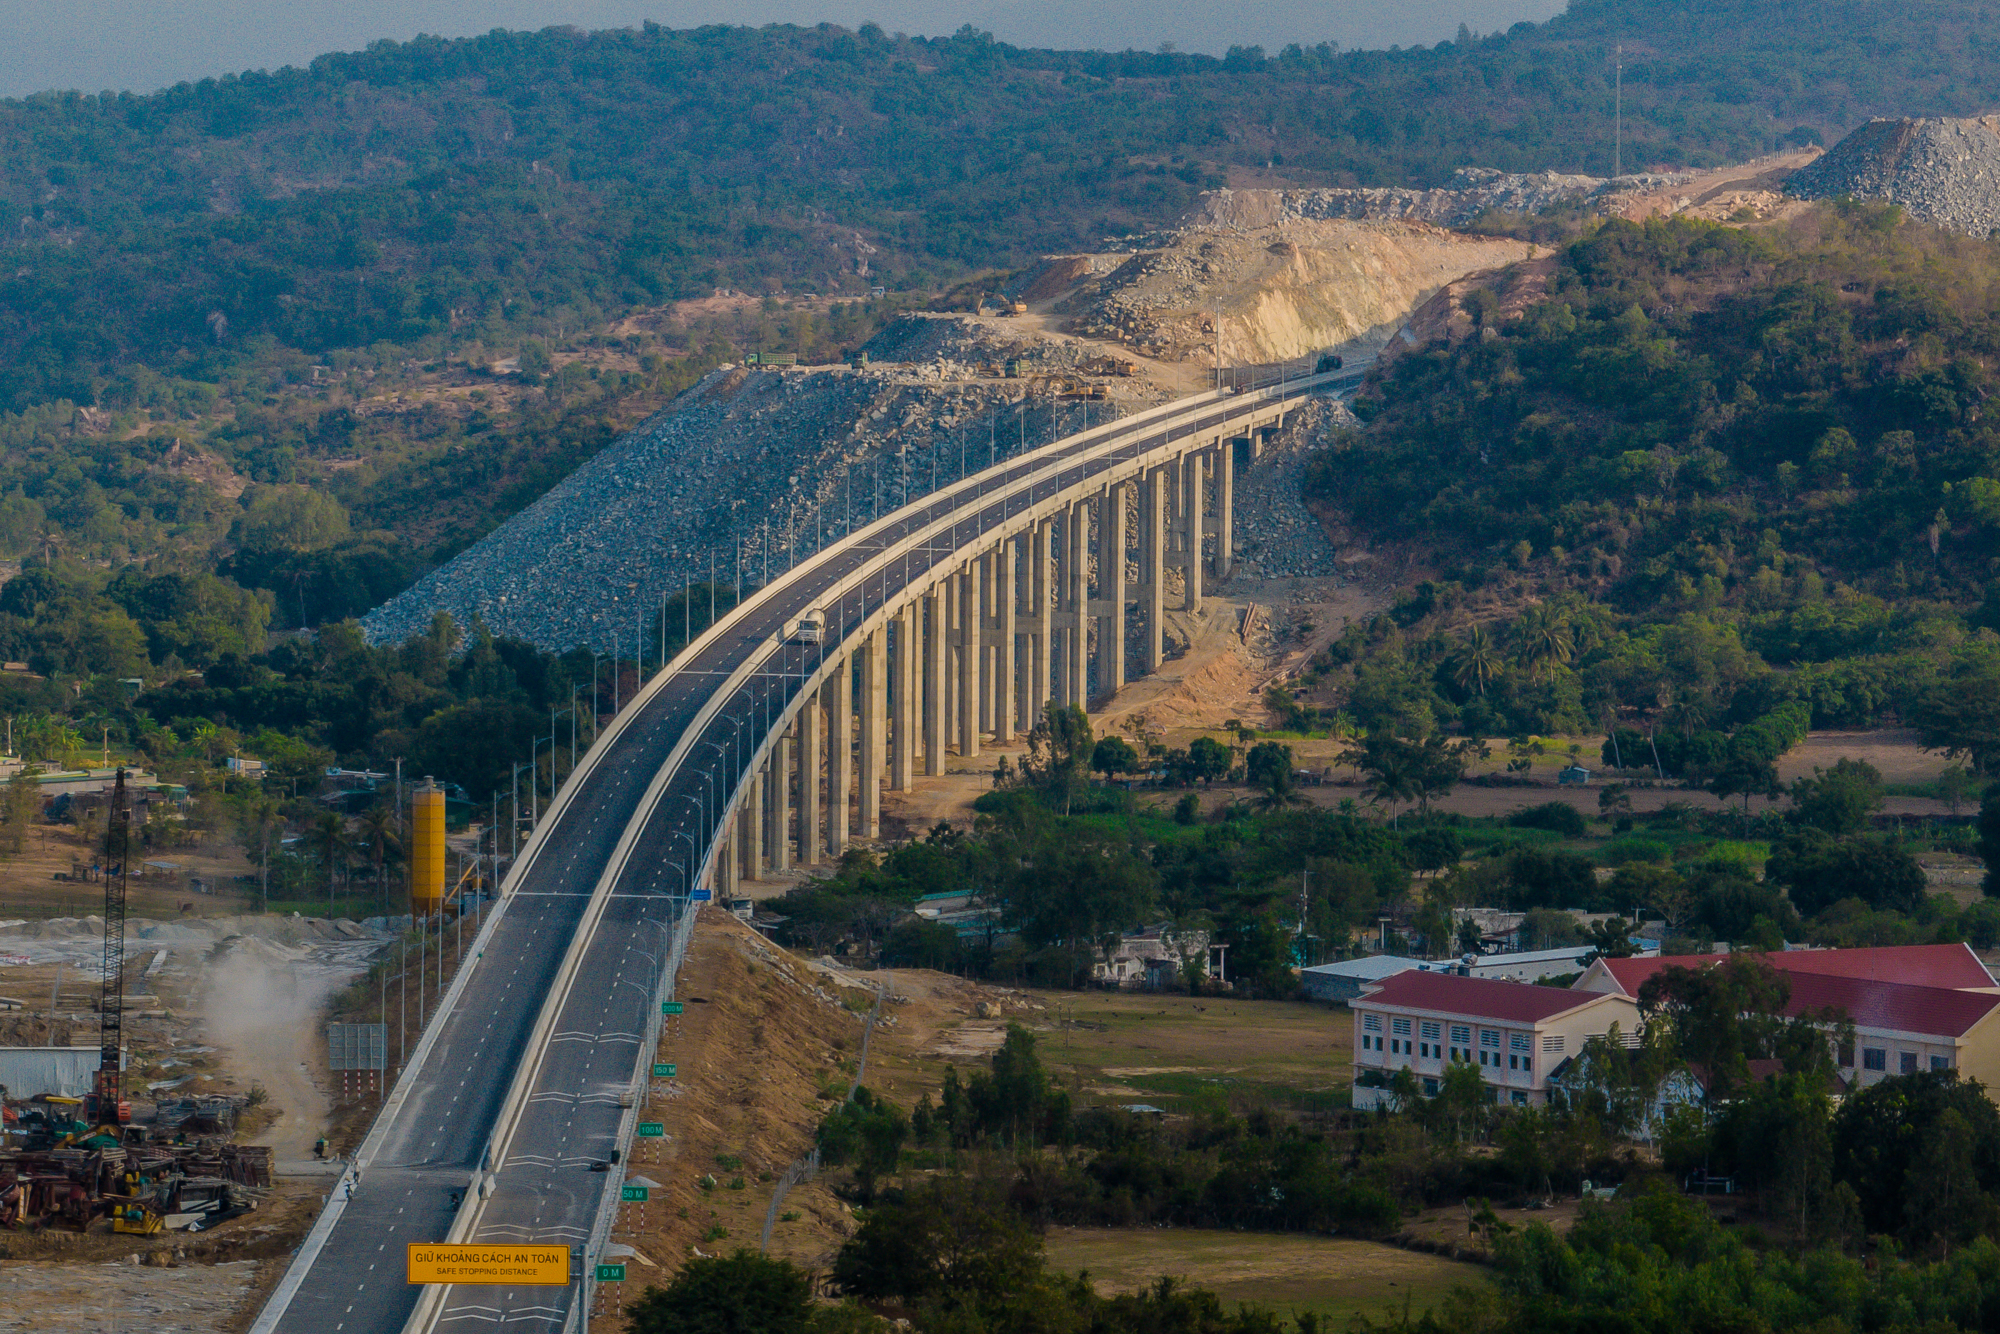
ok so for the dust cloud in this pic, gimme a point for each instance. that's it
(264, 1004)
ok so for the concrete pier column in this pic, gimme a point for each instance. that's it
(1059, 609)
(1007, 675)
(725, 867)
(1076, 574)
(1153, 568)
(984, 673)
(1192, 504)
(874, 723)
(753, 826)
(948, 683)
(934, 683)
(968, 660)
(781, 801)
(1041, 627)
(812, 746)
(906, 692)
(839, 696)
(1225, 508)
(1111, 590)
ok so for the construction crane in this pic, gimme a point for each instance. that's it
(112, 1109)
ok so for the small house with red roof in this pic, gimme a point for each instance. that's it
(1515, 1033)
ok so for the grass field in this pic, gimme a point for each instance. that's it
(1185, 1053)
(1328, 1276)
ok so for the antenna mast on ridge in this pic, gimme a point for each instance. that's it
(1618, 116)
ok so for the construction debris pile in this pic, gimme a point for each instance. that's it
(179, 1173)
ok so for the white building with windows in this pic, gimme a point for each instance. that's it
(1514, 1033)
(1914, 1007)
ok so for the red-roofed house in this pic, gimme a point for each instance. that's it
(1914, 1007)
(1952, 967)
(1514, 1032)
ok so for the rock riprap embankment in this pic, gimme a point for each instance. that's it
(765, 464)
(1277, 537)
(1943, 170)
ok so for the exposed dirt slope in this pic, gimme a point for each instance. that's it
(1284, 290)
(764, 1051)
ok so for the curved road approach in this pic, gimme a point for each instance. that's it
(529, 1073)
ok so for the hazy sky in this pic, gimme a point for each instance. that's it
(143, 45)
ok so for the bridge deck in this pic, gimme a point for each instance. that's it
(544, 1189)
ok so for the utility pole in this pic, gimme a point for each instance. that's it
(1618, 115)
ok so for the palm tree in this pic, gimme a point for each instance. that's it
(1277, 788)
(329, 836)
(1478, 661)
(1543, 641)
(1392, 778)
(382, 831)
(263, 820)
(1687, 712)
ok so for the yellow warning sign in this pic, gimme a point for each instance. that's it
(524, 1265)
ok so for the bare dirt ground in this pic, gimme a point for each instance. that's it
(1749, 191)
(28, 887)
(107, 1296)
(1332, 1277)
(1447, 1230)
(1177, 1051)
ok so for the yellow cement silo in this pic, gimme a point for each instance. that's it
(427, 848)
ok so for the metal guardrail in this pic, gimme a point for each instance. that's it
(607, 1204)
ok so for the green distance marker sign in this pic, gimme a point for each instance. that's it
(665, 1069)
(634, 1194)
(611, 1273)
(672, 1007)
(652, 1130)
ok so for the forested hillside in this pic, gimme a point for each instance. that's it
(1719, 467)
(534, 182)
(242, 261)
(282, 340)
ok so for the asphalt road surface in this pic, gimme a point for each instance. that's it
(545, 1190)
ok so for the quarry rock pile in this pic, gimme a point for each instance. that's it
(1943, 170)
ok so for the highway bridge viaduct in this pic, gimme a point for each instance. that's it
(946, 624)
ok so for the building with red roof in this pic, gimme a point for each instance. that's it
(1914, 1007)
(1513, 1032)
(1952, 967)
